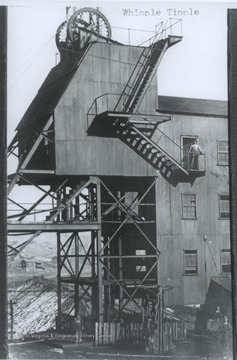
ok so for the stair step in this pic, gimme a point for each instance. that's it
(51, 213)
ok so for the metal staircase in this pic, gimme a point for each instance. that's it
(138, 137)
(141, 76)
(144, 72)
(133, 128)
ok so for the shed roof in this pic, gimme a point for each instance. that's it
(225, 282)
(51, 91)
(200, 107)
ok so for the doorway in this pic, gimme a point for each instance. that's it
(186, 142)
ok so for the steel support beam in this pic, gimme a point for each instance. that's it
(58, 274)
(53, 227)
(76, 209)
(99, 265)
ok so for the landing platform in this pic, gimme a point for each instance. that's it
(103, 123)
(196, 173)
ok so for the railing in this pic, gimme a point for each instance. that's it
(75, 211)
(102, 103)
(137, 334)
(110, 101)
(107, 333)
(16, 210)
(194, 163)
(135, 36)
(163, 30)
(107, 101)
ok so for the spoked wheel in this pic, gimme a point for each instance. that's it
(61, 37)
(88, 19)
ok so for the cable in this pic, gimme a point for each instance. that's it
(212, 257)
(31, 62)
(122, 28)
(36, 56)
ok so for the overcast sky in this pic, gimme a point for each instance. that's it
(196, 67)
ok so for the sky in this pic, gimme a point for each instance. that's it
(196, 67)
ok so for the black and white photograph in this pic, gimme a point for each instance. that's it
(118, 200)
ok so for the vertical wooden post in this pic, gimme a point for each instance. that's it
(157, 241)
(11, 317)
(58, 278)
(3, 182)
(120, 274)
(106, 287)
(99, 247)
(93, 274)
(232, 85)
(76, 286)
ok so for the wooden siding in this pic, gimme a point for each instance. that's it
(176, 234)
(105, 69)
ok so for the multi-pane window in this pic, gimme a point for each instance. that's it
(222, 153)
(189, 206)
(190, 262)
(225, 261)
(224, 207)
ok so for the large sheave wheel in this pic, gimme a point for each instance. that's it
(88, 19)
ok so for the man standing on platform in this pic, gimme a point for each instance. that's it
(194, 153)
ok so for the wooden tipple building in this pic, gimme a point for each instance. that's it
(114, 161)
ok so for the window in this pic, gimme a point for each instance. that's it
(140, 268)
(222, 153)
(190, 262)
(140, 252)
(224, 207)
(189, 206)
(225, 261)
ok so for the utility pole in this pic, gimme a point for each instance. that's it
(12, 317)
(3, 184)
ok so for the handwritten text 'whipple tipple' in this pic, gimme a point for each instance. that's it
(157, 12)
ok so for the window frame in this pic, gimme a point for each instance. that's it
(223, 251)
(219, 163)
(186, 206)
(190, 272)
(219, 205)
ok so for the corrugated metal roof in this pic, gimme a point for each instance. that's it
(202, 107)
(51, 91)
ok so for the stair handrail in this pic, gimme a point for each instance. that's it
(153, 40)
(95, 102)
(139, 71)
(162, 27)
(180, 147)
(158, 147)
(169, 24)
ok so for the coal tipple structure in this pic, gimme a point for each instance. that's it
(91, 141)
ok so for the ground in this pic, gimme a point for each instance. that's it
(42, 350)
(35, 309)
